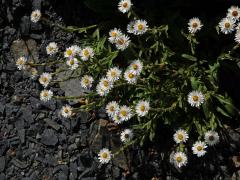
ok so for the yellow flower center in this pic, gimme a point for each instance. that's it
(69, 52)
(235, 13)
(104, 155)
(105, 83)
(199, 148)
(66, 110)
(86, 81)
(45, 94)
(180, 137)
(114, 34)
(195, 98)
(140, 27)
(179, 159)
(71, 62)
(227, 25)
(194, 25)
(85, 53)
(121, 41)
(135, 66)
(20, 62)
(111, 108)
(142, 108)
(124, 113)
(44, 79)
(125, 5)
(50, 48)
(131, 75)
(113, 73)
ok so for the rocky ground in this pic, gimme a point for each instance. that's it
(35, 143)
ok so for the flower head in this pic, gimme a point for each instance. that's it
(122, 42)
(72, 63)
(114, 74)
(124, 6)
(52, 48)
(46, 95)
(195, 98)
(227, 25)
(142, 108)
(112, 108)
(104, 156)
(21, 63)
(130, 27)
(45, 79)
(136, 66)
(180, 136)
(86, 81)
(140, 27)
(130, 76)
(69, 52)
(194, 25)
(211, 138)
(36, 16)
(86, 53)
(117, 119)
(113, 34)
(125, 113)
(234, 13)
(126, 135)
(199, 148)
(179, 159)
(106, 84)
(66, 111)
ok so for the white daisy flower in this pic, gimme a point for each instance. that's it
(66, 111)
(86, 81)
(105, 84)
(45, 79)
(140, 27)
(227, 25)
(195, 98)
(136, 66)
(86, 53)
(130, 27)
(179, 159)
(72, 63)
(101, 91)
(117, 119)
(69, 52)
(142, 108)
(122, 42)
(114, 74)
(36, 16)
(234, 13)
(113, 34)
(180, 136)
(211, 138)
(130, 76)
(194, 25)
(21, 63)
(104, 156)
(46, 95)
(112, 108)
(52, 48)
(237, 36)
(125, 113)
(126, 135)
(199, 148)
(124, 6)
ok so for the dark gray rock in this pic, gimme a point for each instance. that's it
(21, 135)
(19, 164)
(49, 137)
(2, 163)
(52, 124)
(25, 25)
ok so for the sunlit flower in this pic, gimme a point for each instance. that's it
(104, 156)
(237, 36)
(36, 16)
(130, 76)
(142, 108)
(195, 98)
(86, 53)
(136, 66)
(45, 79)
(179, 159)
(140, 27)
(21, 63)
(86, 81)
(105, 84)
(113, 34)
(69, 52)
(130, 27)
(233, 12)
(114, 74)
(124, 5)
(211, 138)
(46, 95)
(194, 25)
(125, 113)
(66, 111)
(227, 25)
(180, 136)
(199, 148)
(126, 135)
(122, 42)
(112, 108)
(72, 63)
(52, 48)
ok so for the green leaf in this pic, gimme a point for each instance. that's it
(189, 57)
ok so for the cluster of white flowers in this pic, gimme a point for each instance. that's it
(137, 27)
(133, 71)
(120, 40)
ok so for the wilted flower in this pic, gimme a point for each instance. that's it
(124, 5)
(52, 48)
(237, 36)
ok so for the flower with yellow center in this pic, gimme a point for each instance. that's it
(86, 81)
(140, 27)
(46, 95)
(125, 113)
(72, 63)
(195, 98)
(198, 148)
(124, 6)
(45, 79)
(112, 108)
(179, 159)
(36, 16)
(194, 25)
(227, 25)
(180, 136)
(122, 42)
(113, 34)
(114, 74)
(86, 53)
(130, 76)
(66, 111)
(142, 108)
(21, 63)
(234, 12)
(136, 66)
(104, 156)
